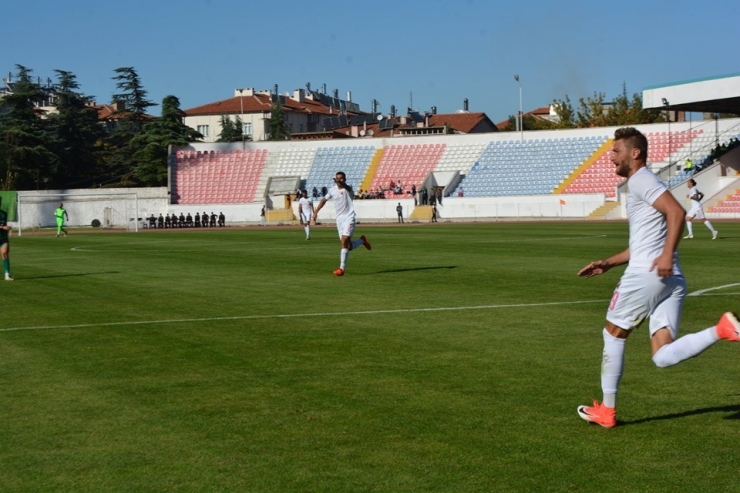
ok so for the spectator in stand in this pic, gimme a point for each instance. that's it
(399, 189)
(392, 185)
(689, 166)
(221, 219)
(413, 194)
(315, 193)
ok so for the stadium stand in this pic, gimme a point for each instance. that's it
(408, 163)
(352, 160)
(529, 167)
(220, 177)
(731, 204)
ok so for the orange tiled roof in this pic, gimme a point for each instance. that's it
(259, 103)
(461, 122)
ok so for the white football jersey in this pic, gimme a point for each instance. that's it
(343, 205)
(306, 206)
(648, 228)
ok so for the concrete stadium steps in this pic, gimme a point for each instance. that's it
(602, 213)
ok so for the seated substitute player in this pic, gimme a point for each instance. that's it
(5, 242)
(652, 286)
(697, 211)
(342, 195)
(305, 212)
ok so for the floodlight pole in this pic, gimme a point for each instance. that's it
(521, 114)
(668, 114)
(241, 118)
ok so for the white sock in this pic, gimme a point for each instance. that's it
(357, 243)
(709, 225)
(685, 347)
(308, 231)
(343, 258)
(612, 367)
(690, 228)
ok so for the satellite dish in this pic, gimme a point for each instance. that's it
(370, 133)
(362, 133)
(380, 117)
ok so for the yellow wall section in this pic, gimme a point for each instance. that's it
(371, 170)
(583, 166)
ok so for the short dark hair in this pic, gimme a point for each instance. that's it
(691, 180)
(634, 139)
(342, 173)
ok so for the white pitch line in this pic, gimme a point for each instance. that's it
(702, 291)
(294, 315)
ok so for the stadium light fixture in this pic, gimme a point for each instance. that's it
(521, 114)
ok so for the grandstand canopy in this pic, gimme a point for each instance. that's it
(710, 95)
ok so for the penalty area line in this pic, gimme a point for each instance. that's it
(295, 315)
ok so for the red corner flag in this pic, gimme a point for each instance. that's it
(562, 202)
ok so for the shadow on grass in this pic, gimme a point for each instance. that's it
(69, 275)
(735, 410)
(389, 271)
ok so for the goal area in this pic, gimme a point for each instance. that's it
(111, 210)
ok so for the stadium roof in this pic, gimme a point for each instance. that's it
(719, 94)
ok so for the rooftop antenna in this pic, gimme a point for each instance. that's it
(411, 99)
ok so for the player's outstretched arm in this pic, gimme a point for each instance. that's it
(318, 208)
(598, 267)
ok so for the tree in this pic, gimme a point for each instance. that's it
(231, 131)
(277, 127)
(152, 143)
(76, 135)
(131, 118)
(24, 155)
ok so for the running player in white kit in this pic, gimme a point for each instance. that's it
(652, 286)
(305, 212)
(697, 211)
(342, 195)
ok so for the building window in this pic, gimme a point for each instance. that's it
(247, 128)
(203, 130)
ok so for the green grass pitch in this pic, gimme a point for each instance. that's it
(450, 358)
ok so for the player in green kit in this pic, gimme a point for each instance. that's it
(4, 242)
(61, 213)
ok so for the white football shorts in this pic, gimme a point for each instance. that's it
(642, 295)
(697, 211)
(346, 227)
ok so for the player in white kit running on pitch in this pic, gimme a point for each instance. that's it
(341, 193)
(305, 212)
(652, 286)
(696, 211)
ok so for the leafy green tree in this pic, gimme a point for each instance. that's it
(565, 112)
(277, 127)
(152, 143)
(131, 118)
(231, 131)
(24, 154)
(76, 135)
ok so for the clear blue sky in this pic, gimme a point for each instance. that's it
(436, 51)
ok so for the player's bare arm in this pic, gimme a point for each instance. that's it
(318, 208)
(598, 267)
(675, 216)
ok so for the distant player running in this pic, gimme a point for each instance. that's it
(305, 212)
(61, 214)
(342, 195)
(4, 242)
(697, 211)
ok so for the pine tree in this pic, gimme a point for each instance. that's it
(77, 135)
(277, 127)
(24, 154)
(153, 141)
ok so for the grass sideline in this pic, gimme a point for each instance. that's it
(449, 358)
